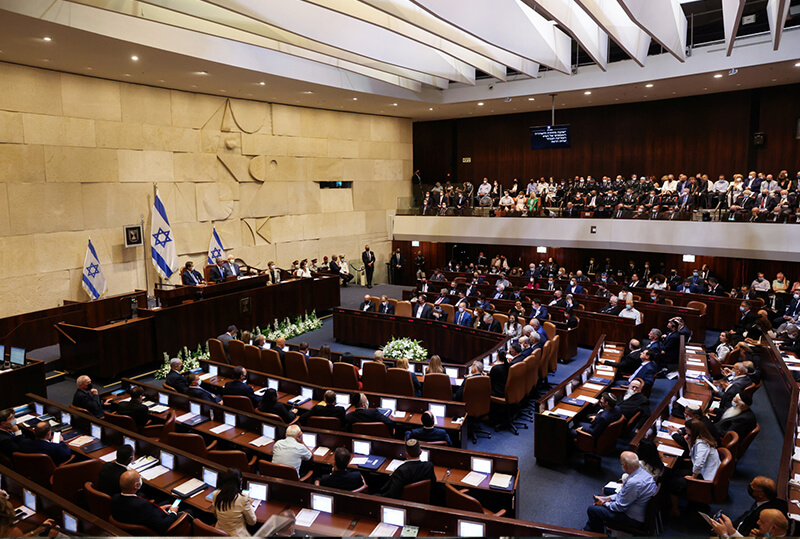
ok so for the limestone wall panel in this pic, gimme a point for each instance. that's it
(80, 165)
(11, 249)
(60, 250)
(44, 207)
(192, 238)
(326, 169)
(145, 105)
(194, 110)
(171, 139)
(230, 233)
(21, 163)
(58, 130)
(25, 89)
(250, 116)
(389, 170)
(112, 205)
(307, 147)
(287, 252)
(5, 226)
(195, 167)
(358, 169)
(34, 292)
(336, 200)
(11, 127)
(376, 222)
(375, 150)
(118, 135)
(87, 97)
(288, 121)
(346, 149)
(258, 144)
(145, 166)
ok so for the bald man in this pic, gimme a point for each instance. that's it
(86, 397)
(770, 523)
(763, 490)
(129, 508)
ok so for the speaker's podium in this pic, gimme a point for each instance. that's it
(117, 336)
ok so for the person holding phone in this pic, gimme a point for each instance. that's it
(232, 506)
(130, 508)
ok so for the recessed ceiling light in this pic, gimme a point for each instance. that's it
(430, 108)
(89, 68)
(202, 72)
(718, 76)
(194, 86)
(480, 104)
(773, 80)
(45, 59)
(394, 104)
(127, 74)
(587, 92)
(648, 85)
(161, 80)
(47, 38)
(262, 83)
(308, 92)
(135, 58)
(797, 64)
(355, 99)
(531, 99)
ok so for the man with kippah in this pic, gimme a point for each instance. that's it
(411, 471)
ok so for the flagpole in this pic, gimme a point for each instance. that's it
(144, 251)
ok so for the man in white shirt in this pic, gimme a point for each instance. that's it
(291, 450)
(630, 312)
(760, 284)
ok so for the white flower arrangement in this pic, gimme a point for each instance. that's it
(405, 347)
(191, 361)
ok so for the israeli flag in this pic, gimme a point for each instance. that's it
(215, 248)
(162, 244)
(93, 281)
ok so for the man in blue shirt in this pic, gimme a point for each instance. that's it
(627, 506)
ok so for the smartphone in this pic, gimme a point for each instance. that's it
(717, 515)
(176, 503)
(56, 437)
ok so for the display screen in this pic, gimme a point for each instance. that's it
(210, 477)
(168, 460)
(549, 137)
(268, 431)
(361, 448)
(320, 502)
(17, 356)
(258, 491)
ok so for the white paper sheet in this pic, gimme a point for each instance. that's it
(474, 478)
(394, 465)
(669, 450)
(306, 517)
(155, 471)
(222, 428)
(593, 387)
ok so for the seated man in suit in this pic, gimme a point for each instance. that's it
(613, 307)
(428, 432)
(239, 386)
(443, 297)
(463, 316)
(629, 362)
(439, 314)
(646, 372)
(476, 369)
(499, 376)
(688, 288)
(196, 391)
(739, 417)
(607, 415)
(634, 400)
(363, 414)
(574, 287)
(219, 272)
(110, 472)
(10, 433)
(341, 477)
(729, 388)
(190, 276)
(558, 300)
(367, 305)
(326, 408)
(227, 337)
(385, 307)
(232, 266)
(86, 397)
(175, 379)
(411, 471)
(129, 508)
(43, 443)
(422, 309)
(134, 408)
(763, 490)
(490, 324)
(538, 310)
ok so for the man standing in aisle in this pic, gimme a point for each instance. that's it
(398, 261)
(368, 257)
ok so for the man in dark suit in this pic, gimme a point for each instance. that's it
(385, 307)
(714, 289)
(367, 305)
(729, 389)
(670, 349)
(490, 324)
(398, 267)
(499, 376)
(10, 434)
(463, 316)
(763, 491)
(368, 258)
(628, 364)
(175, 379)
(129, 508)
(613, 307)
(422, 309)
(739, 418)
(645, 372)
(656, 298)
(238, 386)
(110, 472)
(363, 414)
(134, 408)
(341, 477)
(538, 310)
(443, 297)
(574, 287)
(219, 272)
(227, 337)
(558, 300)
(42, 443)
(570, 211)
(428, 432)
(196, 391)
(791, 312)
(411, 471)
(634, 401)
(86, 397)
(439, 314)
(190, 276)
(607, 415)
(747, 319)
(635, 282)
(232, 266)
(326, 408)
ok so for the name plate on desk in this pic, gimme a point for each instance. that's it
(601, 381)
(573, 402)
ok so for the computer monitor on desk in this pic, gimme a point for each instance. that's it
(17, 356)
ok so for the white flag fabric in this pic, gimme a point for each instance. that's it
(162, 244)
(93, 280)
(215, 248)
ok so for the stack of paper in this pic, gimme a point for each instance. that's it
(155, 471)
(669, 450)
(81, 441)
(358, 461)
(306, 518)
(184, 417)
(593, 387)
(398, 414)
(394, 465)
(221, 428)
(474, 478)
(321, 451)
(189, 488)
(159, 408)
(500, 480)
(384, 530)
(109, 456)
(206, 376)
(261, 441)
(589, 399)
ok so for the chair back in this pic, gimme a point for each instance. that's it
(207, 272)
(181, 527)
(320, 371)
(169, 426)
(744, 444)
(252, 357)
(549, 329)
(373, 428)
(281, 471)
(99, 502)
(668, 301)
(323, 422)
(607, 441)
(455, 499)
(37, 467)
(553, 362)
(271, 362)
(534, 368)
(189, 442)
(165, 385)
(232, 458)
(201, 529)
(68, 479)
(239, 402)
(403, 308)
(122, 421)
(731, 442)
(217, 351)
(724, 473)
(752, 388)
(517, 382)
(373, 377)
(632, 422)
(477, 396)
(236, 352)
(531, 375)
(398, 382)
(547, 352)
(699, 305)
(419, 492)
(296, 367)
(714, 366)
(345, 376)
(136, 530)
(437, 386)
(544, 367)
(450, 310)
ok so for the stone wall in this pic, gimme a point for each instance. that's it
(79, 157)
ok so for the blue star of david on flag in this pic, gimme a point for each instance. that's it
(215, 248)
(92, 270)
(165, 241)
(162, 246)
(93, 281)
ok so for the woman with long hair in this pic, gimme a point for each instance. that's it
(232, 507)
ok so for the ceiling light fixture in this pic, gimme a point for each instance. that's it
(355, 99)
(202, 72)
(47, 38)
(718, 76)
(648, 85)
(262, 83)
(797, 64)
(430, 108)
(394, 104)
(587, 92)
(531, 99)
(480, 104)
(135, 58)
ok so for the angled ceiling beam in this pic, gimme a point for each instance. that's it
(579, 25)
(777, 11)
(351, 35)
(509, 24)
(619, 26)
(663, 20)
(415, 15)
(371, 15)
(731, 17)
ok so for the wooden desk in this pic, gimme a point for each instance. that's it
(15, 383)
(453, 343)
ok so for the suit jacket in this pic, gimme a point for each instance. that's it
(225, 338)
(367, 415)
(108, 479)
(333, 267)
(218, 274)
(629, 362)
(442, 316)
(136, 410)
(559, 303)
(745, 321)
(191, 278)
(441, 300)
(633, 404)
(463, 319)
(84, 399)
(321, 410)
(577, 289)
(432, 434)
(233, 269)
(742, 424)
(540, 313)
(342, 479)
(136, 510)
(471, 291)
(792, 308)
(499, 377)
(611, 309)
(427, 311)
(670, 350)
(726, 400)
(408, 472)
(367, 306)
(647, 373)
(279, 409)
(748, 520)
(237, 387)
(178, 381)
(60, 452)
(9, 443)
(386, 309)
(367, 257)
(200, 393)
(494, 327)
(601, 421)
(395, 261)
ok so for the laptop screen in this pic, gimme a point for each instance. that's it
(258, 491)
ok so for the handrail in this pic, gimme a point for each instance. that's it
(64, 333)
